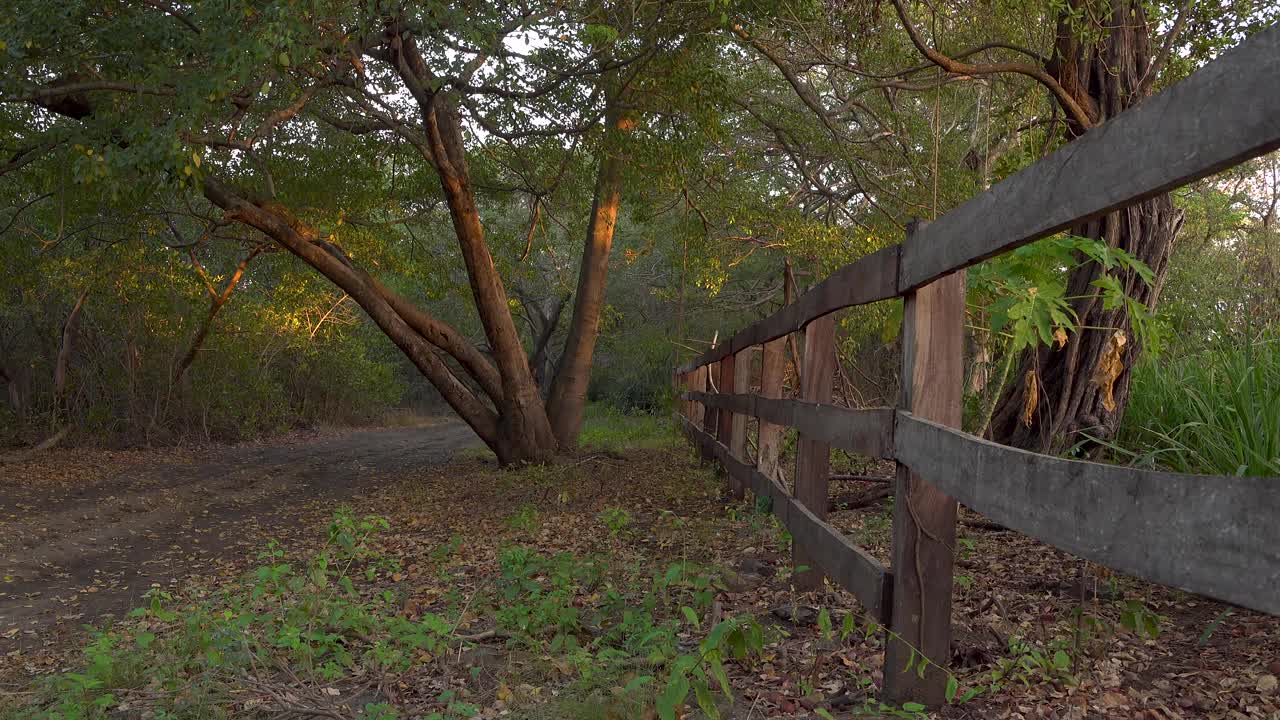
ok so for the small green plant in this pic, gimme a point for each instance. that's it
(526, 519)
(1140, 620)
(1027, 663)
(616, 519)
(700, 671)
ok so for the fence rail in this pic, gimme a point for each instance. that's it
(1216, 536)
(1224, 114)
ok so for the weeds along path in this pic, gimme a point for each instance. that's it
(84, 534)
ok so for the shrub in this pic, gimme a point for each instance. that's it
(1214, 412)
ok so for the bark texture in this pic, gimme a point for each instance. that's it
(569, 390)
(524, 430)
(1106, 77)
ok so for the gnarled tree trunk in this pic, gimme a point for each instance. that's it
(569, 390)
(1106, 77)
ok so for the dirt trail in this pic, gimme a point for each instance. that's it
(74, 552)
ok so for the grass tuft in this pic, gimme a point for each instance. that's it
(1216, 412)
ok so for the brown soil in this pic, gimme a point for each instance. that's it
(84, 534)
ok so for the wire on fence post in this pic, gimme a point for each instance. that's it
(924, 518)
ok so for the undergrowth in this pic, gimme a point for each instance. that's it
(332, 636)
(1217, 412)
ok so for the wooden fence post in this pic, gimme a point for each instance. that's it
(738, 424)
(697, 383)
(711, 415)
(813, 459)
(924, 518)
(772, 365)
(725, 422)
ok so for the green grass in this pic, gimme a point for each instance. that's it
(1216, 412)
(610, 430)
(607, 429)
(598, 640)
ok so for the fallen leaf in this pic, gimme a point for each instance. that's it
(1032, 398)
(1109, 368)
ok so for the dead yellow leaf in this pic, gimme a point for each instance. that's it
(1060, 336)
(504, 693)
(1032, 397)
(1109, 368)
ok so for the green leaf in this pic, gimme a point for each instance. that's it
(672, 696)
(953, 685)
(638, 682)
(705, 700)
(722, 677)
(1061, 660)
(691, 616)
(913, 707)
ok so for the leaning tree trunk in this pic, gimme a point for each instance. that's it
(567, 399)
(1106, 76)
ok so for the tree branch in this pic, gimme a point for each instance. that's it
(1038, 74)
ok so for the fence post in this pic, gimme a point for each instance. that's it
(697, 383)
(724, 429)
(813, 459)
(710, 415)
(738, 426)
(772, 365)
(924, 519)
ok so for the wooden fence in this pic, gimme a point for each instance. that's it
(1215, 536)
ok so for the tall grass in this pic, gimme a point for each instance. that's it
(1216, 412)
(605, 428)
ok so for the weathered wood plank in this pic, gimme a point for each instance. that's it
(1223, 114)
(741, 384)
(772, 367)
(724, 425)
(813, 457)
(1210, 535)
(871, 278)
(711, 418)
(697, 383)
(848, 565)
(924, 517)
(866, 431)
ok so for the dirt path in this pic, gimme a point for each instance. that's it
(83, 535)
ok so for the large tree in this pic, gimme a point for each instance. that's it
(288, 117)
(918, 109)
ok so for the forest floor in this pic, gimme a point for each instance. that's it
(550, 593)
(85, 533)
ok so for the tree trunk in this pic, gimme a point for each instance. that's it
(524, 428)
(569, 389)
(64, 356)
(216, 301)
(1106, 77)
(539, 359)
(417, 341)
(11, 384)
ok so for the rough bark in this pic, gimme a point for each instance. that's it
(569, 389)
(524, 428)
(548, 322)
(302, 242)
(1107, 78)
